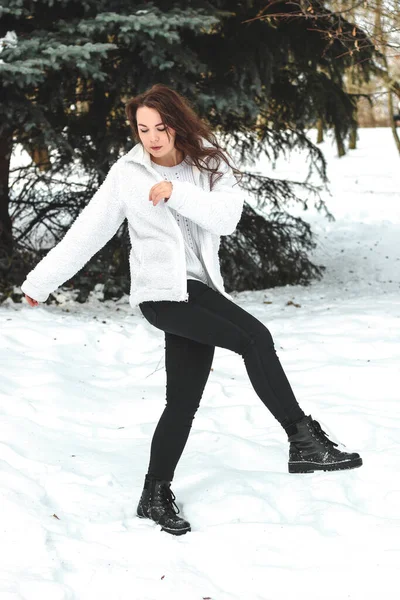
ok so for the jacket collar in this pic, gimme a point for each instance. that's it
(139, 155)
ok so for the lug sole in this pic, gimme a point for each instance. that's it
(310, 467)
(176, 531)
(166, 529)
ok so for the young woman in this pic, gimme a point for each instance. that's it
(180, 194)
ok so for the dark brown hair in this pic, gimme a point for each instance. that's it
(176, 112)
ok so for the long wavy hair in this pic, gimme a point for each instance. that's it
(176, 111)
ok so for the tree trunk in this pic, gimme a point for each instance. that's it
(353, 138)
(339, 144)
(6, 240)
(320, 131)
(378, 31)
(392, 122)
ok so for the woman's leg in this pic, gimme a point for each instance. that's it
(208, 320)
(188, 364)
(211, 319)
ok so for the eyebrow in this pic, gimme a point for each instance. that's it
(146, 125)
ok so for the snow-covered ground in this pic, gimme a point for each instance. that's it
(82, 389)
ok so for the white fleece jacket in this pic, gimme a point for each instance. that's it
(157, 256)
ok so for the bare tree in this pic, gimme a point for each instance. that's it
(380, 20)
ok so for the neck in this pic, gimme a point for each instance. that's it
(170, 160)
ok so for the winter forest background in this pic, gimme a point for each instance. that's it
(305, 95)
(262, 73)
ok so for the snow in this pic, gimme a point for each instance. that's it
(9, 39)
(83, 388)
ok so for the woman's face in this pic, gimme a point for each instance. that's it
(152, 133)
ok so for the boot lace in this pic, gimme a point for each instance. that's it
(318, 429)
(168, 496)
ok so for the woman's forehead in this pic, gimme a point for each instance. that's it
(148, 116)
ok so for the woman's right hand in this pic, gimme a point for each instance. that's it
(31, 301)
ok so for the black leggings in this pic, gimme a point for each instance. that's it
(192, 330)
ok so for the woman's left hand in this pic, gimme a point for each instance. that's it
(160, 191)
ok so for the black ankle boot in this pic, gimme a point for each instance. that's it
(311, 449)
(157, 503)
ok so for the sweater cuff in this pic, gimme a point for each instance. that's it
(33, 292)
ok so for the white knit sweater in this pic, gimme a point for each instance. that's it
(157, 257)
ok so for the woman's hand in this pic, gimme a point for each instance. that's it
(160, 191)
(31, 301)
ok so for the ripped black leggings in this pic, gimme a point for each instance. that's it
(192, 331)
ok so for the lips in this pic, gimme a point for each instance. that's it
(156, 147)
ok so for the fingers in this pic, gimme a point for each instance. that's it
(155, 188)
(156, 192)
(31, 301)
(157, 198)
(160, 191)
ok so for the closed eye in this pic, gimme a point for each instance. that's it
(146, 130)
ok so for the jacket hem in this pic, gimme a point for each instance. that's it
(169, 295)
(157, 296)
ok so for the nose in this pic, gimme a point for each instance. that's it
(154, 138)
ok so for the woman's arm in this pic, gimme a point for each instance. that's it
(218, 211)
(90, 231)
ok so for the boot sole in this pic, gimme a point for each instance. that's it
(176, 531)
(166, 529)
(310, 467)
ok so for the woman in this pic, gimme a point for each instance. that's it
(179, 192)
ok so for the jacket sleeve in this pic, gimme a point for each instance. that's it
(218, 211)
(94, 226)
